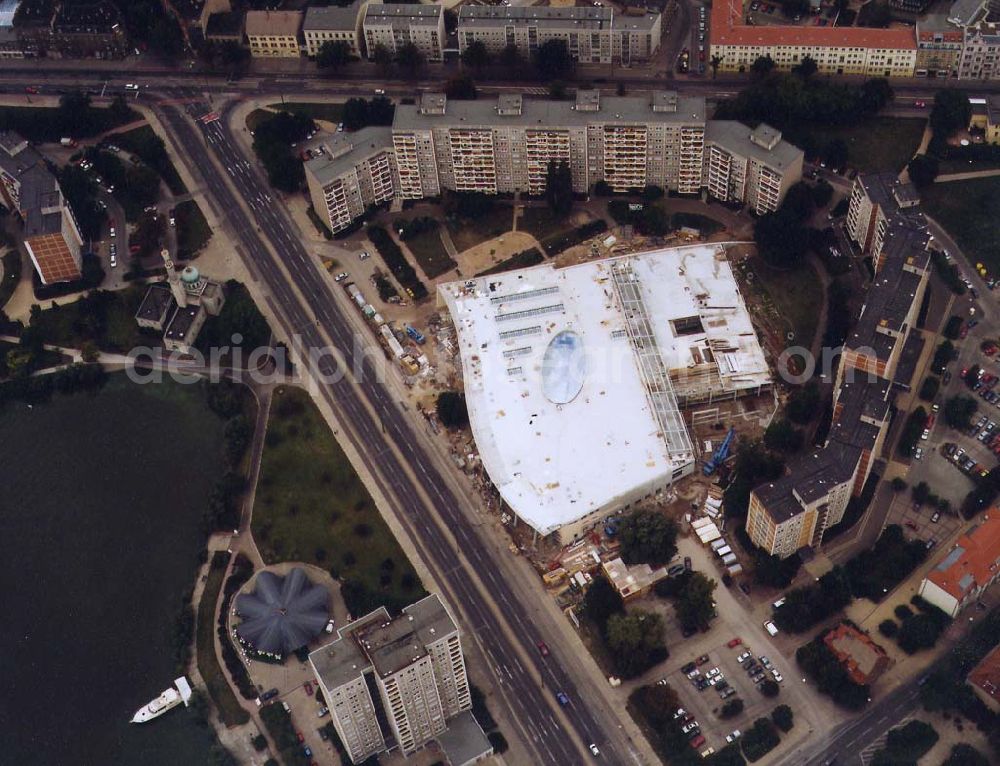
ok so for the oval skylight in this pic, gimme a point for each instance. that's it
(564, 368)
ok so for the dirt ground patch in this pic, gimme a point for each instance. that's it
(493, 251)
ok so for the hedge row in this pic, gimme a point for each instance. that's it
(397, 263)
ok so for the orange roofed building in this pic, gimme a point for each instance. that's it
(967, 569)
(836, 50)
(862, 658)
(985, 679)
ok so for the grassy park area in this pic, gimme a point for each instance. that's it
(468, 233)
(970, 212)
(876, 145)
(542, 223)
(430, 253)
(312, 507)
(148, 147)
(794, 295)
(193, 231)
(230, 710)
(328, 112)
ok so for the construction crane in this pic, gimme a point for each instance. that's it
(720, 454)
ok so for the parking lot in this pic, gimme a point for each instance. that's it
(702, 700)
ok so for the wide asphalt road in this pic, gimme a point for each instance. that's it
(318, 308)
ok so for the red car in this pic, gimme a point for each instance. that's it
(920, 104)
(698, 741)
(299, 735)
(31, 89)
(308, 687)
(930, 422)
(911, 525)
(735, 642)
(701, 660)
(543, 649)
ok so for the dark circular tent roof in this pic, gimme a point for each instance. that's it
(283, 613)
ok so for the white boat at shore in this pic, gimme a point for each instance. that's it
(169, 699)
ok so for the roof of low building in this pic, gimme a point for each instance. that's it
(403, 15)
(273, 23)
(282, 614)
(580, 17)
(973, 560)
(986, 674)
(862, 658)
(754, 143)
(729, 28)
(345, 151)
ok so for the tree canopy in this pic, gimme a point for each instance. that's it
(559, 187)
(951, 112)
(647, 537)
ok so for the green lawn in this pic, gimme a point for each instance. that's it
(193, 231)
(429, 251)
(329, 112)
(230, 710)
(794, 295)
(312, 507)
(881, 144)
(256, 117)
(970, 212)
(104, 317)
(541, 223)
(469, 233)
(147, 146)
(11, 275)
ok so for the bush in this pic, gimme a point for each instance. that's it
(647, 537)
(929, 388)
(914, 427)
(902, 612)
(888, 628)
(921, 631)
(875, 572)
(759, 740)
(906, 744)
(397, 263)
(557, 243)
(770, 688)
(452, 410)
(823, 667)
(732, 708)
(783, 717)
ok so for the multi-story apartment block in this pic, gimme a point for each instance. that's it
(968, 569)
(593, 35)
(753, 166)
(394, 682)
(274, 34)
(875, 199)
(51, 235)
(394, 25)
(795, 511)
(353, 172)
(334, 23)
(939, 46)
(981, 52)
(629, 142)
(506, 146)
(836, 50)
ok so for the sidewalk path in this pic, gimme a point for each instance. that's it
(948, 177)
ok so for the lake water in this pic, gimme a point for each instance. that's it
(101, 497)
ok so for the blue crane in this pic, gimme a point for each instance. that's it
(720, 454)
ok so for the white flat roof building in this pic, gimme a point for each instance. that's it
(572, 376)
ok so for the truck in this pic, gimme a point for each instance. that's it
(416, 335)
(67, 141)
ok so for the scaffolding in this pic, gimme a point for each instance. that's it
(653, 372)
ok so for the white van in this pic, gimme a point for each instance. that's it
(771, 628)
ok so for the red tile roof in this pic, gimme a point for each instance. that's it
(986, 675)
(978, 557)
(728, 28)
(862, 658)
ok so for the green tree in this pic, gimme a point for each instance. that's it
(958, 411)
(452, 410)
(781, 238)
(714, 62)
(693, 604)
(601, 601)
(951, 112)
(783, 717)
(559, 187)
(382, 57)
(953, 327)
(920, 493)
(770, 688)
(929, 388)
(88, 352)
(944, 355)
(762, 66)
(806, 68)
(923, 169)
(20, 362)
(333, 55)
(888, 628)
(460, 88)
(647, 537)
(553, 59)
(782, 436)
(731, 708)
(476, 56)
(898, 484)
(635, 641)
(510, 58)
(965, 755)
(803, 403)
(410, 59)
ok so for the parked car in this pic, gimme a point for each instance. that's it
(771, 628)
(736, 734)
(679, 713)
(688, 668)
(936, 517)
(594, 749)
(543, 649)
(742, 657)
(734, 642)
(702, 660)
(563, 698)
(308, 687)
(697, 742)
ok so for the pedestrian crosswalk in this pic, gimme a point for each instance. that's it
(879, 742)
